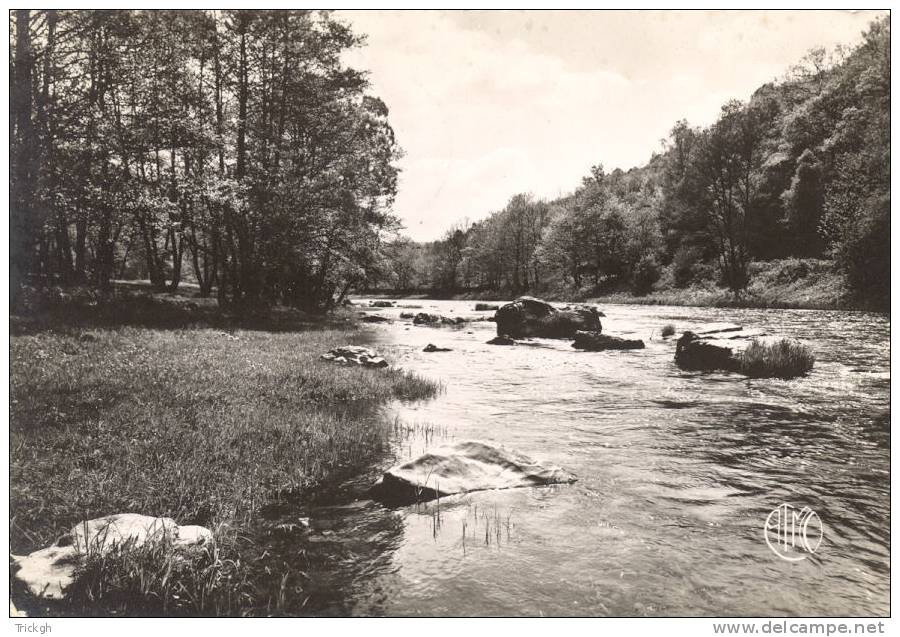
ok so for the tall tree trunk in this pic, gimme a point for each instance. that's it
(241, 149)
(21, 213)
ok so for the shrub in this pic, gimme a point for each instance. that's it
(646, 273)
(684, 266)
(864, 253)
(778, 359)
(668, 330)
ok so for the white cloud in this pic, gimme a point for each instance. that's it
(488, 105)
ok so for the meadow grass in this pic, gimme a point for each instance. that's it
(783, 358)
(197, 424)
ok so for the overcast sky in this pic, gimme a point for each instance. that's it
(487, 104)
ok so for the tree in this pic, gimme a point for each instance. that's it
(803, 204)
(728, 159)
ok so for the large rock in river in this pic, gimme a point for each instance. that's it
(460, 468)
(695, 353)
(597, 342)
(50, 571)
(527, 316)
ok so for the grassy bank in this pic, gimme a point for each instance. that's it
(192, 422)
(786, 284)
(783, 284)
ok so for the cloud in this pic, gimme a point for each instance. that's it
(486, 105)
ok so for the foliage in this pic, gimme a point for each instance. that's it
(233, 142)
(646, 273)
(780, 359)
(801, 170)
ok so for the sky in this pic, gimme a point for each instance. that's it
(487, 104)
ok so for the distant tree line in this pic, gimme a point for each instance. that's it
(232, 148)
(801, 170)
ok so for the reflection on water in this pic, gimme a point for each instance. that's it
(677, 473)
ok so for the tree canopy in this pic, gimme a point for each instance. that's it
(235, 142)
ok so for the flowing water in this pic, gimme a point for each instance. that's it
(677, 471)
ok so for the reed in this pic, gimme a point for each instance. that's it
(783, 358)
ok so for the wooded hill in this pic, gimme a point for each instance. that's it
(800, 171)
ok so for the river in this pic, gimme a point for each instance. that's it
(677, 473)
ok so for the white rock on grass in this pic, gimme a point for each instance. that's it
(355, 355)
(49, 571)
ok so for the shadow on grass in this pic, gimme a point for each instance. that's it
(135, 304)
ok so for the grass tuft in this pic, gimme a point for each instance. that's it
(158, 579)
(784, 358)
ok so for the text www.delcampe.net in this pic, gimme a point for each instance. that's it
(784, 627)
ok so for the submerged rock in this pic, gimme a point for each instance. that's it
(597, 342)
(486, 307)
(460, 468)
(527, 316)
(424, 318)
(50, 571)
(501, 340)
(374, 318)
(717, 328)
(382, 304)
(694, 353)
(407, 315)
(434, 348)
(355, 355)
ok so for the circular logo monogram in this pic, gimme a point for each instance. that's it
(793, 533)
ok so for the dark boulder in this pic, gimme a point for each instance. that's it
(597, 342)
(407, 315)
(486, 307)
(695, 353)
(382, 304)
(374, 318)
(434, 348)
(501, 340)
(527, 316)
(462, 467)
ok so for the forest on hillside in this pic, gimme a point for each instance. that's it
(799, 172)
(232, 149)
